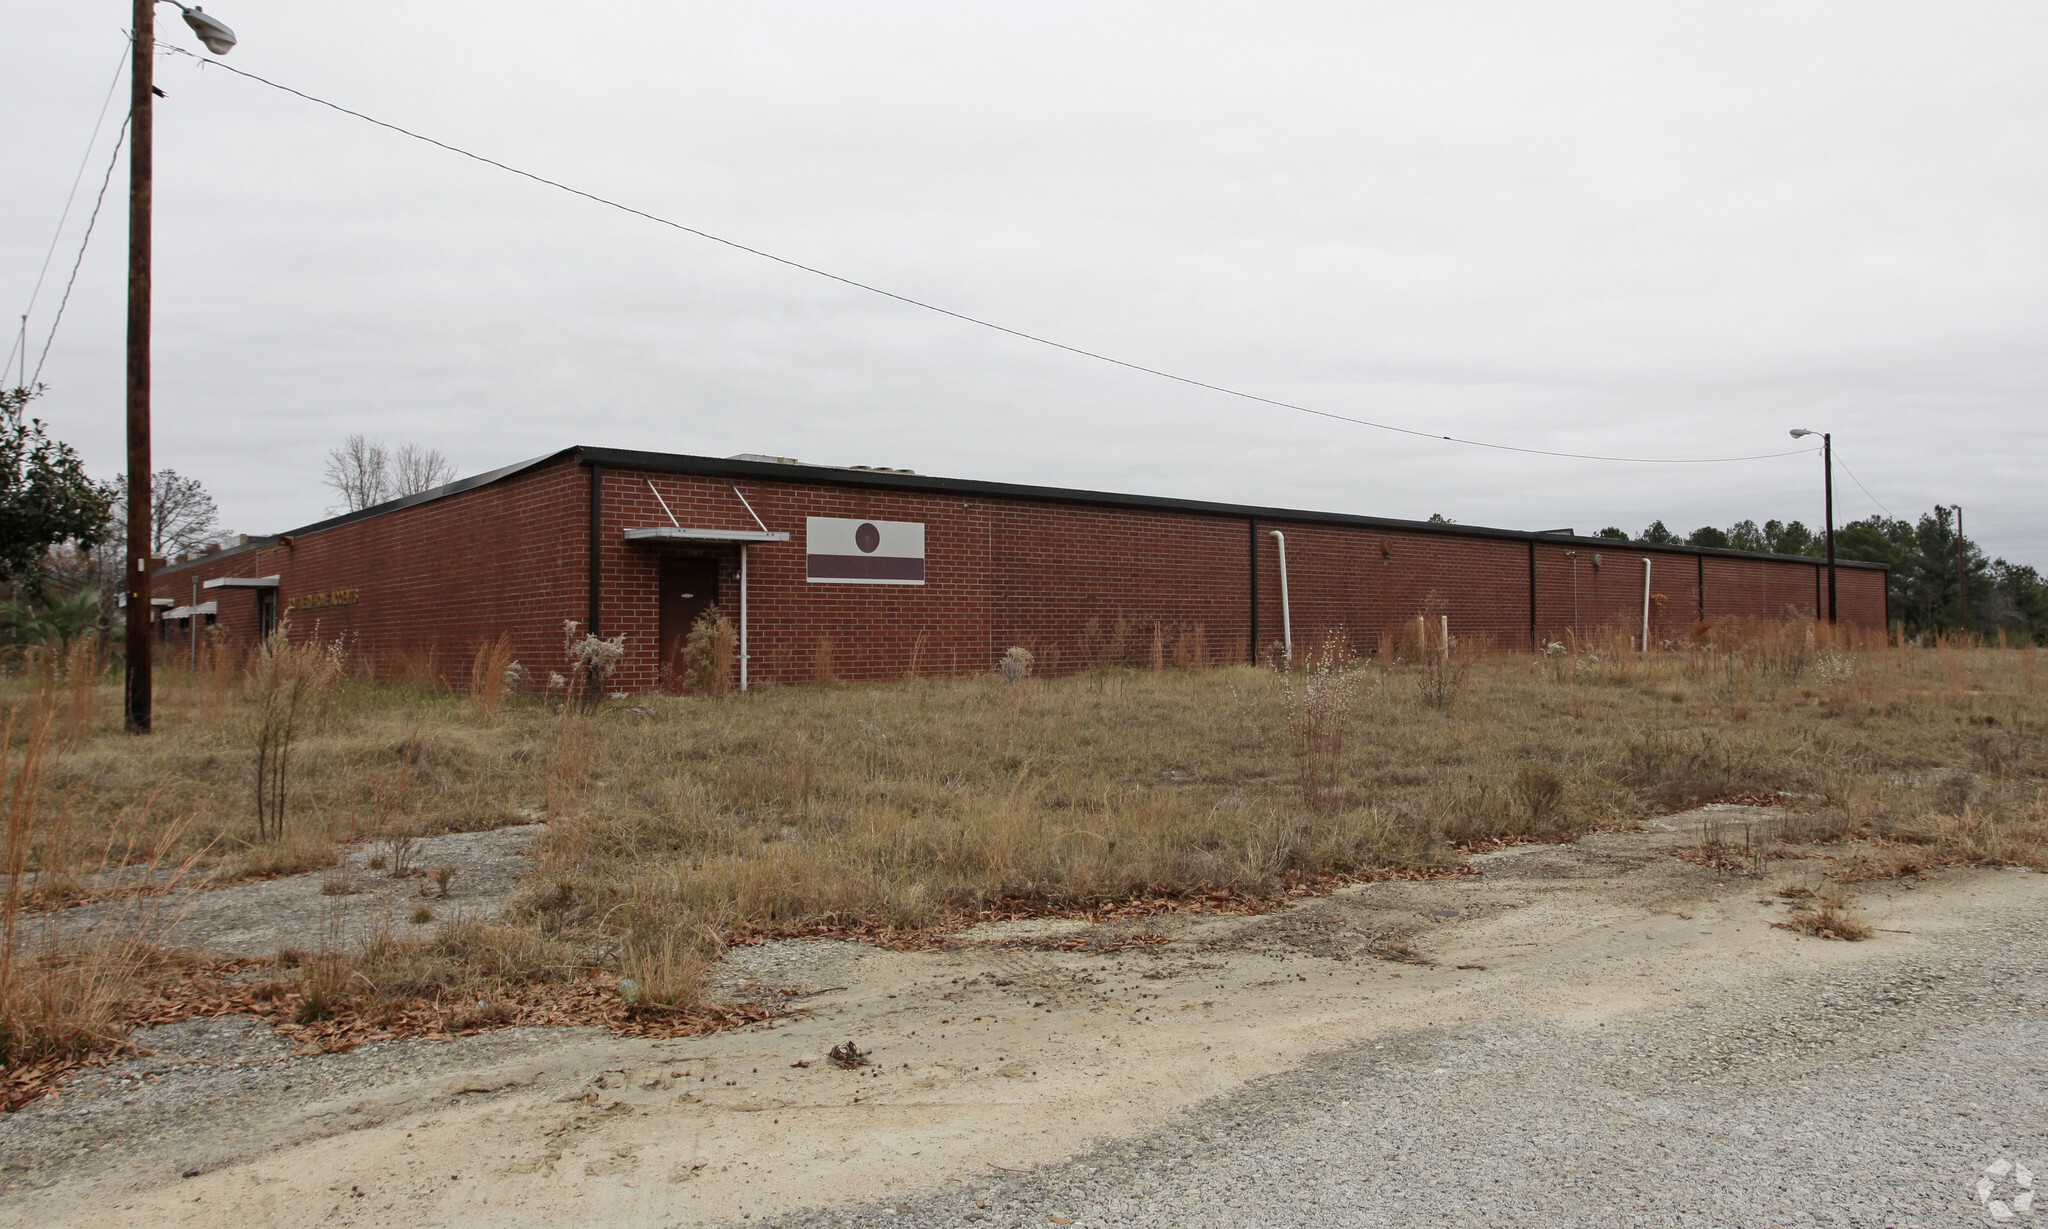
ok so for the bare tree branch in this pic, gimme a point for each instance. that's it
(415, 469)
(182, 515)
(360, 472)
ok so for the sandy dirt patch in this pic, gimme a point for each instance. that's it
(984, 1059)
(339, 907)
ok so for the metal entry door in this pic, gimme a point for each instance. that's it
(689, 587)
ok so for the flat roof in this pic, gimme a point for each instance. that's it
(829, 475)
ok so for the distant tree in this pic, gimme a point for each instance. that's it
(1438, 518)
(68, 569)
(182, 516)
(1745, 535)
(1612, 532)
(366, 474)
(359, 472)
(1922, 558)
(1659, 534)
(52, 618)
(45, 496)
(1792, 538)
(2017, 605)
(415, 469)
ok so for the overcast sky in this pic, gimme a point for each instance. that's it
(1655, 230)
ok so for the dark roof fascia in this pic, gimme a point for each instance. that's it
(775, 471)
(396, 505)
(253, 544)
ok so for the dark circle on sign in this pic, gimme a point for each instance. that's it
(867, 537)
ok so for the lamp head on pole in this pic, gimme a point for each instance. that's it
(211, 30)
(1800, 433)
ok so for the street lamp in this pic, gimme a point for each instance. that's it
(1827, 456)
(141, 149)
(211, 31)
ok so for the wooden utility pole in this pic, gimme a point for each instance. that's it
(1827, 452)
(1962, 575)
(136, 582)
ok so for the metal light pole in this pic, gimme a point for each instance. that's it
(1827, 456)
(142, 94)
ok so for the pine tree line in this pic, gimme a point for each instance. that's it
(1925, 596)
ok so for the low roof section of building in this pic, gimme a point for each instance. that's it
(898, 480)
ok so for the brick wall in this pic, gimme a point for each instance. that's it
(1074, 583)
(798, 630)
(1583, 589)
(1079, 586)
(432, 579)
(1372, 584)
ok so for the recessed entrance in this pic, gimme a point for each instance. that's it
(689, 587)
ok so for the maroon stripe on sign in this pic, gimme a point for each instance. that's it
(863, 567)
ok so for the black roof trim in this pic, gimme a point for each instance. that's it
(774, 471)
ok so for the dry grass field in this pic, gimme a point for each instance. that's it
(679, 823)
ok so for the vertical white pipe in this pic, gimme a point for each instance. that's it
(1646, 603)
(743, 616)
(1574, 557)
(1286, 614)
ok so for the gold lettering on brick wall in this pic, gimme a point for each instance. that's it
(315, 601)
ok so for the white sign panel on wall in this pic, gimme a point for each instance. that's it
(854, 552)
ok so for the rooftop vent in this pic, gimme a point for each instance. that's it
(764, 459)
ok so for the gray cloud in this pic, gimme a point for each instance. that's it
(1609, 228)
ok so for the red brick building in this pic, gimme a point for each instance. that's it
(869, 574)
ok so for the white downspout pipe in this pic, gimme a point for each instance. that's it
(1646, 603)
(1286, 614)
(743, 577)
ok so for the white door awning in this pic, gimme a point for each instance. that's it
(240, 582)
(671, 533)
(186, 612)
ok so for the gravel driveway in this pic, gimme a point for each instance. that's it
(1873, 1099)
(1597, 1034)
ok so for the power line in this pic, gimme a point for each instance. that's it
(84, 159)
(1859, 483)
(83, 243)
(964, 317)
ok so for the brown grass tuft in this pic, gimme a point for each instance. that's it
(662, 967)
(711, 653)
(1830, 914)
(492, 673)
(1319, 696)
(287, 682)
